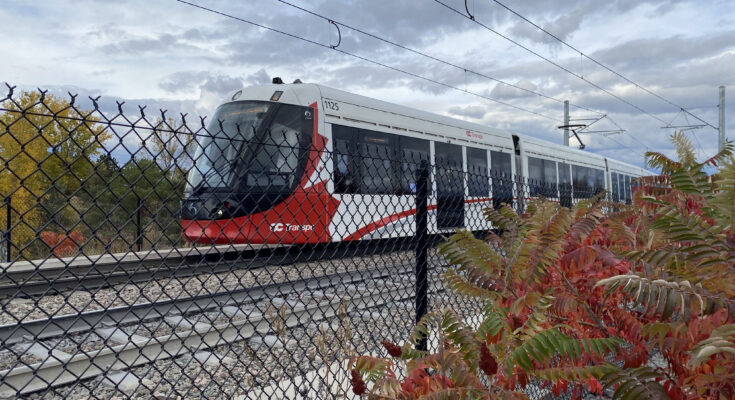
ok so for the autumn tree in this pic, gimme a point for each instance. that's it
(48, 146)
(169, 143)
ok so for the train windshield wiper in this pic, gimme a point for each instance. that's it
(210, 173)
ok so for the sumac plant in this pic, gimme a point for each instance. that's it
(628, 302)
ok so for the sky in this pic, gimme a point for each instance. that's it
(169, 55)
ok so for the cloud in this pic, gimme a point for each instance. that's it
(260, 77)
(476, 112)
(184, 59)
(508, 92)
(182, 81)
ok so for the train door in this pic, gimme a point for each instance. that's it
(449, 175)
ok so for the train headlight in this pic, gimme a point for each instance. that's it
(219, 213)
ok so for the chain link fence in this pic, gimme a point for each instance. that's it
(242, 256)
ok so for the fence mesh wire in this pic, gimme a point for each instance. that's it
(243, 255)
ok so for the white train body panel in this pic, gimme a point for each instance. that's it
(363, 216)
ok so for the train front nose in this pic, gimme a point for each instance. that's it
(201, 219)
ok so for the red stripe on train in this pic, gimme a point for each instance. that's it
(373, 226)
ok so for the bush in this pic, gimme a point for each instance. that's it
(579, 299)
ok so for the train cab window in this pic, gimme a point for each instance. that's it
(281, 153)
(227, 141)
(614, 187)
(413, 152)
(377, 154)
(565, 185)
(477, 180)
(502, 178)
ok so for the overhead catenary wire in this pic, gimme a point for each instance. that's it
(445, 62)
(294, 36)
(582, 54)
(550, 61)
(434, 58)
(412, 74)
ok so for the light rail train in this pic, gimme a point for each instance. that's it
(304, 163)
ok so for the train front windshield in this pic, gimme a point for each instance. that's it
(229, 132)
(251, 157)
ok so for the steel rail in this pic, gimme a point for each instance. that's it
(57, 371)
(12, 334)
(47, 277)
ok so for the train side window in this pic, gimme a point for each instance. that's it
(621, 187)
(448, 159)
(535, 176)
(542, 177)
(628, 197)
(345, 167)
(599, 181)
(580, 181)
(449, 185)
(550, 178)
(565, 185)
(377, 154)
(413, 151)
(478, 184)
(614, 186)
(502, 183)
(591, 172)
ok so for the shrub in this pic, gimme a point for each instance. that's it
(63, 245)
(579, 299)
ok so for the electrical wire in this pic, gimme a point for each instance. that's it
(602, 65)
(626, 132)
(439, 60)
(377, 62)
(291, 35)
(550, 61)
(643, 155)
(333, 21)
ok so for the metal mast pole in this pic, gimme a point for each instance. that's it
(721, 142)
(566, 122)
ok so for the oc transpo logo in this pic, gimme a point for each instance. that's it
(281, 227)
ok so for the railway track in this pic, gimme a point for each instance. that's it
(51, 276)
(183, 326)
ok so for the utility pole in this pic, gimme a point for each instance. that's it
(566, 118)
(721, 142)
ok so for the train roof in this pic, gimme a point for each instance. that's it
(299, 93)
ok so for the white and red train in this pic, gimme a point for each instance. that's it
(304, 163)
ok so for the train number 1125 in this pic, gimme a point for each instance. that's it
(331, 105)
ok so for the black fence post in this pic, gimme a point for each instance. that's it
(422, 246)
(138, 225)
(8, 227)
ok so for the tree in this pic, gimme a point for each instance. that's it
(170, 147)
(49, 147)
